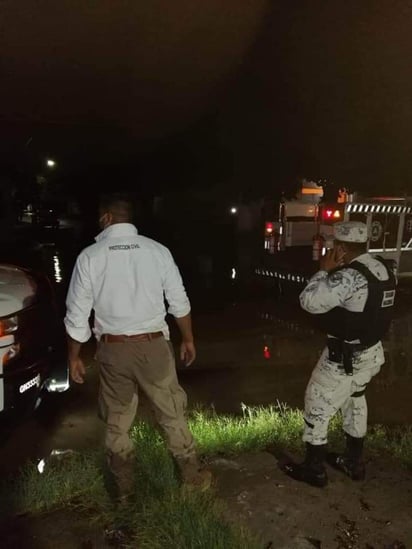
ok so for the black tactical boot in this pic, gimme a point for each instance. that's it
(350, 462)
(312, 470)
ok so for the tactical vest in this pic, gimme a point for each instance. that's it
(370, 325)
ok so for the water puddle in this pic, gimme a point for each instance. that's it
(259, 354)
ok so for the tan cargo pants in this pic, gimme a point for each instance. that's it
(125, 368)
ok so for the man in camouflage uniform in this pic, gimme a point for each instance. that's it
(353, 293)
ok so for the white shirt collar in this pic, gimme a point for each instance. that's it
(117, 229)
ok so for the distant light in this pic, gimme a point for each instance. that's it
(50, 163)
(307, 190)
(57, 269)
(234, 274)
(233, 210)
(269, 228)
(41, 465)
(266, 352)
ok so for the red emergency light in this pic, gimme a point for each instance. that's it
(269, 227)
(331, 215)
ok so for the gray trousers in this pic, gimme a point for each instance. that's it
(330, 389)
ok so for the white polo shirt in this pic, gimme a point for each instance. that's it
(125, 278)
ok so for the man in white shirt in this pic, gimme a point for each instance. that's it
(125, 278)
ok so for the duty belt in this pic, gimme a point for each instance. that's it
(342, 352)
(111, 338)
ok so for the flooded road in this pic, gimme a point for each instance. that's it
(255, 351)
(262, 353)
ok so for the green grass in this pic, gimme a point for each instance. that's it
(392, 441)
(163, 514)
(278, 426)
(255, 430)
(258, 428)
(78, 478)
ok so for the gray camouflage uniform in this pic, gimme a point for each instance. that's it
(330, 389)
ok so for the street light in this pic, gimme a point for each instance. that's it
(50, 163)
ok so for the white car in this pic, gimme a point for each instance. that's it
(33, 357)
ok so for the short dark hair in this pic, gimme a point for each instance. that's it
(119, 205)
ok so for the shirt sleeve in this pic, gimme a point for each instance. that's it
(79, 302)
(325, 292)
(175, 293)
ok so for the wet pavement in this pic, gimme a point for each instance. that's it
(262, 353)
(252, 350)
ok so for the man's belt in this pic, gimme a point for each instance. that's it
(342, 352)
(111, 338)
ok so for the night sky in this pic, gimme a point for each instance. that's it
(245, 93)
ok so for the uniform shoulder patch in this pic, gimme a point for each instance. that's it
(388, 299)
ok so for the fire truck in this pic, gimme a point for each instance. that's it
(301, 231)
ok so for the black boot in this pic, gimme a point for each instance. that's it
(312, 470)
(350, 462)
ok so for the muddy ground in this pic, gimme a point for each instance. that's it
(283, 514)
(286, 514)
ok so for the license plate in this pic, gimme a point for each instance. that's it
(35, 382)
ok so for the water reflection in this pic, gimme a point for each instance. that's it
(259, 354)
(57, 269)
(398, 352)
